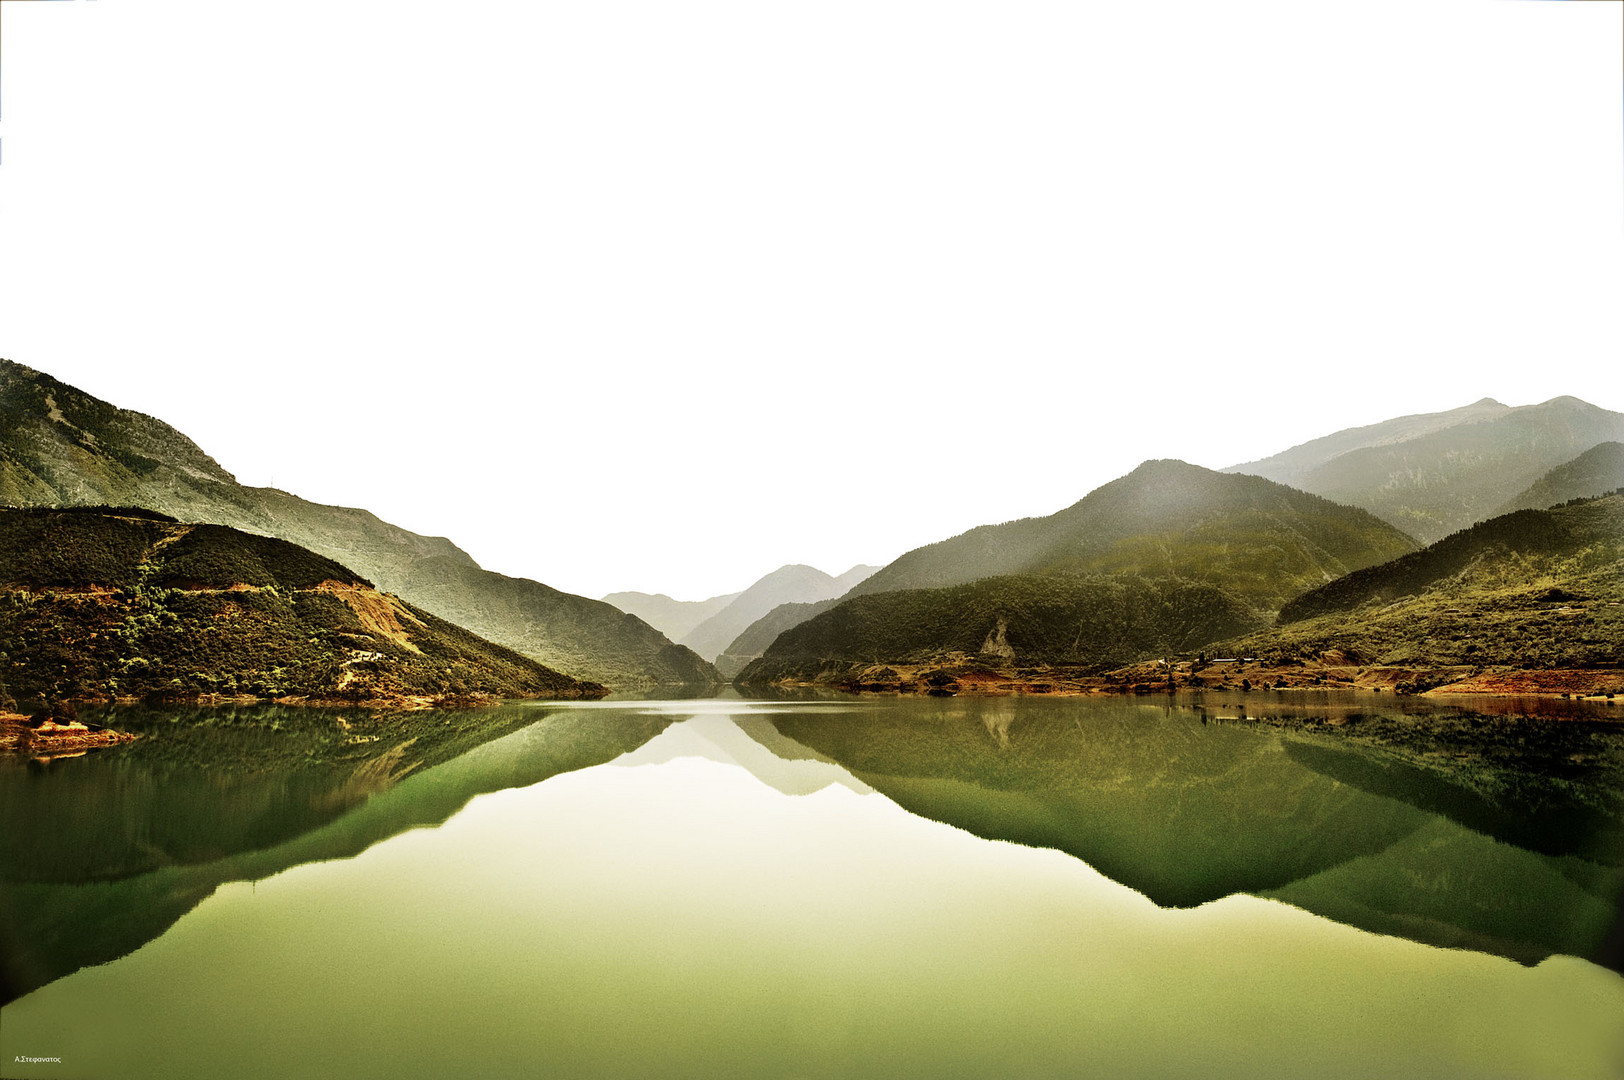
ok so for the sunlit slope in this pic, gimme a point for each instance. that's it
(1261, 541)
(1531, 589)
(62, 447)
(128, 604)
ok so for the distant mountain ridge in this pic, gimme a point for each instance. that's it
(61, 446)
(793, 584)
(1262, 541)
(760, 634)
(1594, 472)
(673, 618)
(127, 603)
(1434, 473)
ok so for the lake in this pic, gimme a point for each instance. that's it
(1274, 885)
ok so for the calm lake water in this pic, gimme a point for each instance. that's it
(855, 888)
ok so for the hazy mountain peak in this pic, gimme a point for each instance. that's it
(673, 618)
(1432, 474)
(795, 583)
(1167, 518)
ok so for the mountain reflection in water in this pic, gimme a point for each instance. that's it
(767, 888)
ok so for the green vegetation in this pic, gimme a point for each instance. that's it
(1261, 541)
(60, 446)
(1597, 471)
(1095, 622)
(1531, 589)
(100, 606)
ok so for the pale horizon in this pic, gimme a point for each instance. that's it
(639, 299)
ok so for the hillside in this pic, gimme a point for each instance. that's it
(673, 618)
(764, 631)
(61, 446)
(1433, 474)
(1597, 471)
(1259, 540)
(999, 627)
(1534, 591)
(98, 604)
(795, 584)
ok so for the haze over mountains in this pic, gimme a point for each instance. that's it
(673, 618)
(1262, 541)
(719, 628)
(1431, 474)
(1165, 559)
(795, 584)
(1042, 590)
(61, 446)
(1594, 472)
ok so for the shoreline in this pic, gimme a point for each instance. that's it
(960, 678)
(54, 737)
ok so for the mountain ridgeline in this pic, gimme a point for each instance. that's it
(62, 447)
(99, 603)
(1597, 471)
(794, 584)
(1435, 473)
(1261, 541)
(764, 631)
(1163, 560)
(673, 618)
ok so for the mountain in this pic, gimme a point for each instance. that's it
(1532, 590)
(1262, 541)
(998, 626)
(673, 618)
(61, 446)
(1432, 474)
(1597, 471)
(795, 584)
(764, 631)
(104, 603)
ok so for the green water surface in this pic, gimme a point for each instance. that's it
(874, 888)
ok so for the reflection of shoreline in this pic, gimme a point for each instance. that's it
(52, 739)
(961, 676)
(117, 850)
(1186, 810)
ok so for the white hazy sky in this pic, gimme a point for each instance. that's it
(663, 295)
